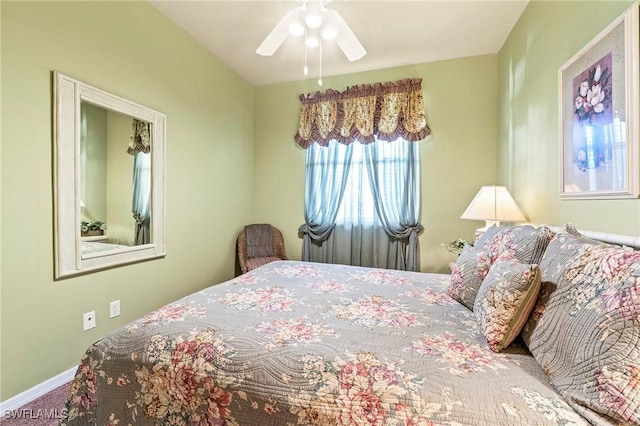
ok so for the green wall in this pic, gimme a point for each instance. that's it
(459, 156)
(132, 50)
(546, 36)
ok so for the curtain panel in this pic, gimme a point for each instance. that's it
(141, 198)
(325, 185)
(387, 239)
(140, 148)
(364, 113)
(396, 194)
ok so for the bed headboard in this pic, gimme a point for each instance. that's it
(623, 240)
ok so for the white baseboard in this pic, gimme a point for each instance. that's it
(37, 391)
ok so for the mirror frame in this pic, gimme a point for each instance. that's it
(68, 93)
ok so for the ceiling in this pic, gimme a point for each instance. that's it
(394, 33)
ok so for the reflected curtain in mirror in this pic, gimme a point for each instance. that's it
(140, 148)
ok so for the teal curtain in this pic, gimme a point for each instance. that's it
(394, 176)
(140, 148)
(141, 200)
(377, 188)
(327, 170)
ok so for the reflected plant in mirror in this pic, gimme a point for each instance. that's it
(109, 170)
(94, 227)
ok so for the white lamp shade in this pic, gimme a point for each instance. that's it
(493, 204)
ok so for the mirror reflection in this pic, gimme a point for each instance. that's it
(115, 179)
(109, 186)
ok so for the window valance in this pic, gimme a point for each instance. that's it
(386, 111)
(140, 140)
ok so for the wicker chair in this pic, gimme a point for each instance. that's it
(249, 264)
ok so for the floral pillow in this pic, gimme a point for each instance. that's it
(526, 243)
(505, 300)
(586, 334)
(563, 249)
(467, 274)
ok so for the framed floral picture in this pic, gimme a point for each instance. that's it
(599, 138)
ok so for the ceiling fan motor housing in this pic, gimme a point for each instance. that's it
(313, 20)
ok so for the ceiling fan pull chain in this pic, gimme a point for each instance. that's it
(305, 70)
(320, 62)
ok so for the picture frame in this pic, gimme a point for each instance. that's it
(598, 94)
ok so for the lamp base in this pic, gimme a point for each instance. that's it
(487, 224)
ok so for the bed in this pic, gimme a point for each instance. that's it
(300, 343)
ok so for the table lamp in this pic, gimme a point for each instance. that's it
(493, 204)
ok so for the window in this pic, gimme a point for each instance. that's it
(357, 205)
(352, 186)
(362, 201)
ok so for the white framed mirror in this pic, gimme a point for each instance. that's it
(109, 179)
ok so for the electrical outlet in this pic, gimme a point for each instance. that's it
(114, 309)
(89, 320)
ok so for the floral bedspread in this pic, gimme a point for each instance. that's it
(298, 343)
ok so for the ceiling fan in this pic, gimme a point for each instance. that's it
(314, 21)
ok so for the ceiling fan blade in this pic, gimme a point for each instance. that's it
(346, 39)
(277, 35)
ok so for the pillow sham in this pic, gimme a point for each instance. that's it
(586, 335)
(526, 243)
(505, 300)
(467, 274)
(563, 249)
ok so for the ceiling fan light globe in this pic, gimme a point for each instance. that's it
(313, 20)
(296, 29)
(329, 33)
(312, 41)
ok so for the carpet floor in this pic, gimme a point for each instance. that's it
(44, 411)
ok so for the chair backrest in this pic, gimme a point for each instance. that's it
(241, 244)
